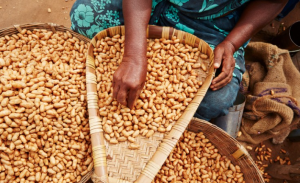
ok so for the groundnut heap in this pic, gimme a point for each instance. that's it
(43, 123)
(175, 73)
(195, 159)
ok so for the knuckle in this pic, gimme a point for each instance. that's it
(218, 48)
(115, 92)
(116, 77)
(120, 98)
(133, 86)
(226, 72)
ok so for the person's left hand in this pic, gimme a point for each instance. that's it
(223, 55)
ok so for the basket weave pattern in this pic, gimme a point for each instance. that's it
(127, 164)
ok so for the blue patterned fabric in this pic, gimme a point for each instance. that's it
(198, 17)
(107, 13)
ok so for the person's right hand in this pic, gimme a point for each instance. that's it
(129, 79)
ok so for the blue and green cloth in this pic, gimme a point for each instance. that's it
(210, 20)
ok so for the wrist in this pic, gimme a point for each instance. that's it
(135, 47)
(230, 45)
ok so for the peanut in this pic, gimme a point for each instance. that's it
(171, 84)
(41, 87)
(195, 159)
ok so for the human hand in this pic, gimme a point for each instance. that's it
(129, 79)
(223, 55)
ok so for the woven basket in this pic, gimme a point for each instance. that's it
(228, 147)
(47, 26)
(116, 163)
(50, 27)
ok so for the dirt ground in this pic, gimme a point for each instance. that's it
(13, 12)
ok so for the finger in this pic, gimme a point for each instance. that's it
(132, 96)
(224, 82)
(113, 83)
(227, 64)
(218, 52)
(218, 79)
(116, 89)
(221, 84)
(122, 95)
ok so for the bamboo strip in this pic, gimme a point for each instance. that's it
(97, 137)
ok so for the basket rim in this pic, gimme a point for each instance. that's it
(238, 154)
(39, 25)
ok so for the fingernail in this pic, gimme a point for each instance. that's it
(217, 65)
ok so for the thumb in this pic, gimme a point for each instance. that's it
(218, 55)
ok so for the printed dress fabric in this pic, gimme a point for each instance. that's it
(203, 18)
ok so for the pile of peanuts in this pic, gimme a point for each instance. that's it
(44, 132)
(264, 156)
(172, 81)
(195, 159)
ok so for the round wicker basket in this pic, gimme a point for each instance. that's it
(228, 147)
(123, 164)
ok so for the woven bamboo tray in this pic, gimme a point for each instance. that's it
(50, 27)
(116, 163)
(228, 147)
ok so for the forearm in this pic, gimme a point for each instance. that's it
(256, 15)
(136, 16)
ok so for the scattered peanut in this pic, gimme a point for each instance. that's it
(264, 156)
(249, 148)
(239, 133)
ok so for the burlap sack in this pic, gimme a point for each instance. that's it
(272, 107)
(244, 86)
